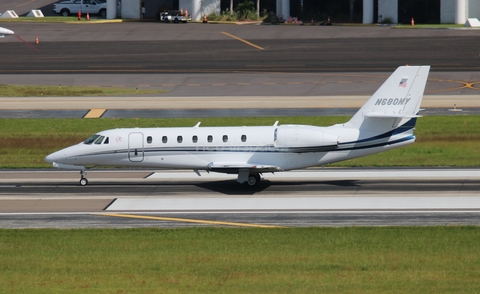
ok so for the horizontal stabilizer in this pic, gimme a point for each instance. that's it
(389, 115)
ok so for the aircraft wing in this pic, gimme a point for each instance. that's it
(235, 168)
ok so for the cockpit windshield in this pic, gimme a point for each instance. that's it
(99, 140)
(90, 140)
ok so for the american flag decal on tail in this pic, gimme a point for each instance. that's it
(403, 83)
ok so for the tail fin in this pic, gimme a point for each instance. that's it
(395, 102)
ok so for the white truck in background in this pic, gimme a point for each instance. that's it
(66, 8)
(173, 16)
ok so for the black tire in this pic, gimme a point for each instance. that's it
(166, 20)
(175, 20)
(253, 180)
(103, 12)
(65, 12)
(83, 182)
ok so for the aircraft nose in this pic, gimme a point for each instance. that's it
(54, 157)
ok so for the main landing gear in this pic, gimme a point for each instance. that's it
(248, 178)
(83, 179)
(253, 180)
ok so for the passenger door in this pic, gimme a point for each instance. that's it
(135, 147)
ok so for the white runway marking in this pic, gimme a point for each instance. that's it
(296, 203)
(352, 202)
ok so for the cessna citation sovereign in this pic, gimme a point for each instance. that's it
(385, 122)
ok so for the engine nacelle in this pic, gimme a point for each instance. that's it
(299, 136)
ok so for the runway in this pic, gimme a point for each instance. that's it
(317, 197)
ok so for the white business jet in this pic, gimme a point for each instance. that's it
(386, 121)
(4, 32)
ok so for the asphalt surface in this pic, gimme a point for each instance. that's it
(83, 220)
(53, 199)
(230, 187)
(198, 48)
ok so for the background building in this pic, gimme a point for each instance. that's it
(359, 11)
(422, 11)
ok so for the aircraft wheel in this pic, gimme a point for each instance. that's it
(83, 182)
(253, 180)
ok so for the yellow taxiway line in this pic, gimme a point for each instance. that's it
(242, 40)
(187, 220)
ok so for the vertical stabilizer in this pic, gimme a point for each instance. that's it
(395, 102)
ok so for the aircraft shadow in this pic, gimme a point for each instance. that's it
(225, 187)
(229, 187)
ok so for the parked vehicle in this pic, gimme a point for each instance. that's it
(66, 8)
(173, 15)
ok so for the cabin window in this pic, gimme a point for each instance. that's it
(210, 138)
(164, 139)
(106, 141)
(194, 139)
(244, 138)
(149, 140)
(99, 140)
(225, 138)
(91, 139)
(179, 139)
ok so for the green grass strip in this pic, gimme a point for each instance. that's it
(441, 140)
(225, 260)
(62, 91)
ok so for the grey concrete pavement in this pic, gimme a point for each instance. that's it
(241, 90)
(155, 31)
(196, 48)
(231, 102)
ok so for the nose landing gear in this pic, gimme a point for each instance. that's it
(83, 179)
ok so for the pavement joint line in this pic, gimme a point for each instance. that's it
(95, 113)
(186, 220)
